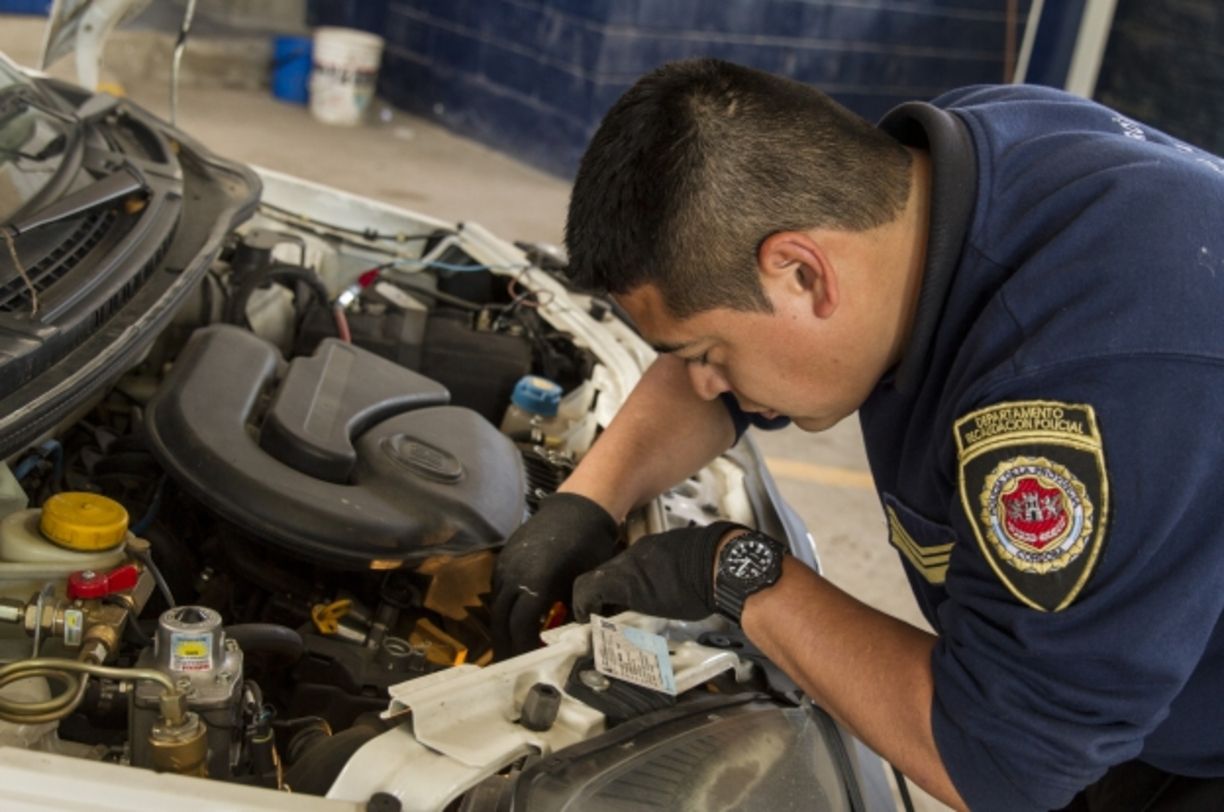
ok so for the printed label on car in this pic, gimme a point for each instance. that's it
(191, 652)
(632, 655)
(74, 625)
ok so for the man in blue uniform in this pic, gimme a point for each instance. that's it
(1021, 293)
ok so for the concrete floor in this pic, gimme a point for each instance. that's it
(410, 162)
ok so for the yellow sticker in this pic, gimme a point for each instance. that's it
(191, 651)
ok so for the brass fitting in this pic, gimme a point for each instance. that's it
(50, 619)
(94, 651)
(180, 748)
(173, 708)
(104, 622)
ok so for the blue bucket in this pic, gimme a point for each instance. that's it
(291, 68)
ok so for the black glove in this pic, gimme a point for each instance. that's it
(567, 536)
(667, 575)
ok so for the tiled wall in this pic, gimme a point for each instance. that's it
(533, 77)
(1165, 65)
(25, 6)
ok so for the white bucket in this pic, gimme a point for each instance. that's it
(343, 75)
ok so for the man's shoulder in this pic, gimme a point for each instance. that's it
(972, 96)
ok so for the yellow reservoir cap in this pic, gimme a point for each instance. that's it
(82, 521)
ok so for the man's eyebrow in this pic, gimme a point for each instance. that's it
(662, 346)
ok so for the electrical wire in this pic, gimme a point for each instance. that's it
(158, 578)
(51, 449)
(21, 271)
(145, 521)
(368, 234)
(438, 265)
(342, 324)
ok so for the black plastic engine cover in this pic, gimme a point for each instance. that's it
(422, 481)
(326, 400)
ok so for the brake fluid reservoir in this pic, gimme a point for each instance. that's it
(12, 497)
(71, 532)
(533, 407)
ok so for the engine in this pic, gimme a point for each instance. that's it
(293, 504)
(237, 558)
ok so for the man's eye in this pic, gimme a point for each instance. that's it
(700, 360)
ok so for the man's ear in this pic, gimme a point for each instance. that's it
(793, 263)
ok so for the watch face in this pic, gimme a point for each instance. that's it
(748, 559)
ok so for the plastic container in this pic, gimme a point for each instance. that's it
(533, 406)
(344, 74)
(12, 497)
(291, 58)
(28, 558)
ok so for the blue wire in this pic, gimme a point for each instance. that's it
(154, 505)
(24, 467)
(449, 266)
(50, 448)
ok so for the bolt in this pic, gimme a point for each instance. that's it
(93, 651)
(594, 680)
(11, 612)
(383, 802)
(183, 684)
(88, 575)
(223, 678)
(231, 645)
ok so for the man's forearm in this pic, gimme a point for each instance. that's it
(868, 669)
(662, 434)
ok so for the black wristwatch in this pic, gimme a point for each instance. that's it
(746, 565)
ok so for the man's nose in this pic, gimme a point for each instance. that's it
(708, 381)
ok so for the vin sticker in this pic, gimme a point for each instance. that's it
(632, 655)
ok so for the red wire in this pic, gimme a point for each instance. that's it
(342, 325)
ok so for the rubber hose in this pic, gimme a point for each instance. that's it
(318, 768)
(267, 637)
(273, 273)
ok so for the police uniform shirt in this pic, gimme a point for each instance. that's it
(1049, 451)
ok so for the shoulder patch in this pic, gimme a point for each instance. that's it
(1034, 488)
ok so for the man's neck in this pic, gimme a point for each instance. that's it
(902, 256)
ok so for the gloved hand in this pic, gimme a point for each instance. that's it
(668, 574)
(567, 536)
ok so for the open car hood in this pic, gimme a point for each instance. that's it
(81, 27)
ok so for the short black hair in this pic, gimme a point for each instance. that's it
(700, 161)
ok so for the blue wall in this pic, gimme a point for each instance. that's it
(534, 77)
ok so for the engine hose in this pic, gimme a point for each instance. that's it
(267, 637)
(273, 273)
(319, 766)
(57, 707)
